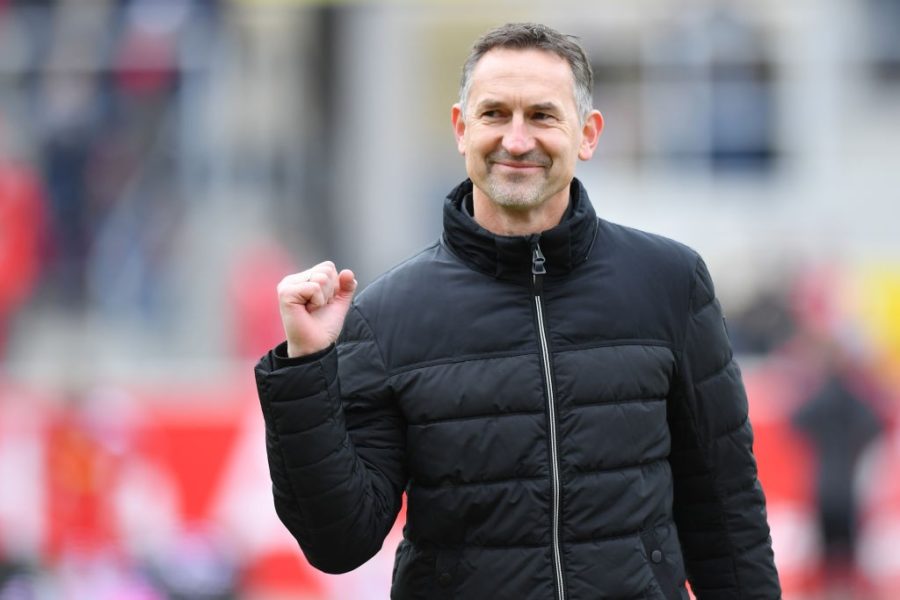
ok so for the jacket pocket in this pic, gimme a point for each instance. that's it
(425, 574)
(412, 577)
(663, 554)
(446, 573)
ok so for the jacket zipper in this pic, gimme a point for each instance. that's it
(537, 273)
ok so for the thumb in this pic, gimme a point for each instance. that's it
(347, 285)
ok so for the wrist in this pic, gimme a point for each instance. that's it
(281, 360)
(295, 350)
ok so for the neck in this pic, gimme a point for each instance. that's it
(513, 220)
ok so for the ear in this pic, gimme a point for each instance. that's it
(590, 135)
(459, 127)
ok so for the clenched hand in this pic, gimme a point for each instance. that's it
(313, 306)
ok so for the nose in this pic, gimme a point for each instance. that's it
(517, 140)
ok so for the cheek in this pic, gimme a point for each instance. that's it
(482, 140)
(474, 163)
(475, 149)
(573, 150)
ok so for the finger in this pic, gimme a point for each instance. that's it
(330, 271)
(292, 291)
(297, 278)
(347, 285)
(347, 281)
(325, 281)
(327, 267)
(323, 274)
(315, 295)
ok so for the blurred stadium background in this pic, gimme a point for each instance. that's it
(164, 162)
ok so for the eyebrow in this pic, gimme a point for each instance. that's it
(539, 107)
(544, 107)
(488, 104)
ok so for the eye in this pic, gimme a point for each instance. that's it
(542, 116)
(490, 114)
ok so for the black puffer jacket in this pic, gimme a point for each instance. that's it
(562, 411)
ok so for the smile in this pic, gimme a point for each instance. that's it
(519, 166)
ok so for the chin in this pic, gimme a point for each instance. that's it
(515, 196)
(517, 201)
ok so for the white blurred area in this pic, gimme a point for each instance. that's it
(164, 162)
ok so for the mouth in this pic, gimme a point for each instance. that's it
(519, 166)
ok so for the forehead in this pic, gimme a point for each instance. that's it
(539, 74)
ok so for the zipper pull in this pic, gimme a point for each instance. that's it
(537, 268)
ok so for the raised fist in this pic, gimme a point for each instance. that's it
(313, 306)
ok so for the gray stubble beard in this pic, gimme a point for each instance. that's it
(509, 195)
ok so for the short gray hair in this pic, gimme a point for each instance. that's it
(524, 36)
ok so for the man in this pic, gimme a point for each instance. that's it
(554, 393)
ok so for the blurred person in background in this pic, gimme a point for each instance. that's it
(840, 420)
(555, 393)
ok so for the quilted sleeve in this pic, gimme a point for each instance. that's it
(335, 445)
(719, 506)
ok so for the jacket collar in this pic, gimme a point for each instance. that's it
(510, 257)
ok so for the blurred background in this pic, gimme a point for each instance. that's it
(163, 163)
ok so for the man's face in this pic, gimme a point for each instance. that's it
(521, 133)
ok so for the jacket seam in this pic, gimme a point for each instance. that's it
(594, 237)
(372, 334)
(437, 486)
(614, 536)
(706, 305)
(318, 495)
(327, 420)
(575, 541)
(319, 461)
(512, 413)
(645, 400)
(743, 488)
(438, 362)
(295, 399)
(730, 430)
(690, 300)
(716, 372)
(578, 473)
(639, 465)
(400, 265)
(623, 343)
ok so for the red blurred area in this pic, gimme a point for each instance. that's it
(125, 473)
(182, 460)
(22, 221)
